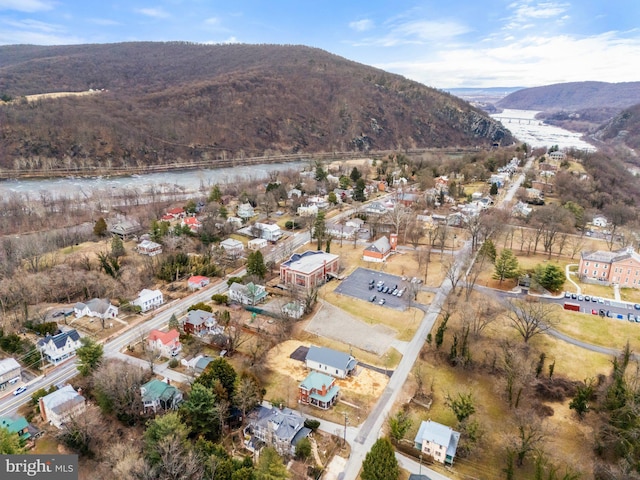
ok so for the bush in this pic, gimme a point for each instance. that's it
(173, 363)
(220, 299)
(234, 280)
(303, 449)
(200, 306)
(312, 424)
(47, 328)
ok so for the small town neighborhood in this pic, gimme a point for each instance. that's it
(316, 323)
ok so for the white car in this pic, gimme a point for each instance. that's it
(19, 390)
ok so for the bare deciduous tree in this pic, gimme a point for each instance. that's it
(530, 318)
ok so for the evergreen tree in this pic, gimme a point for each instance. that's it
(319, 229)
(222, 371)
(506, 265)
(494, 189)
(161, 429)
(355, 174)
(198, 412)
(117, 247)
(439, 339)
(332, 198)
(380, 463)
(174, 324)
(215, 195)
(270, 466)
(90, 355)
(358, 191)
(10, 443)
(255, 264)
(549, 276)
(488, 249)
(399, 425)
(100, 227)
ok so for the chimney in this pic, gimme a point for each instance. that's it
(393, 240)
(43, 413)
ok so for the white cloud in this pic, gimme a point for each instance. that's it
(29, 24)
(525, 13)
(106, 22)
(530, 61)
(361, 25)
(153, 12)
(417, 32)
(212, 21)
(10, 37)
(29, 6)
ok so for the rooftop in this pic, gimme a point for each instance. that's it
(309, 261)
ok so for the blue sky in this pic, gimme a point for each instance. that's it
(443, 44)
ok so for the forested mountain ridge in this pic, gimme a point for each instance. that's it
(168, 102)
(574, 96)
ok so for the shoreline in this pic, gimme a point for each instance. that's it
(128, 171)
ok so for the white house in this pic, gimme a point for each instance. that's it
(438, 441)
(293, 309)
(249, 294)
(147, 247)
(10, 372)
(58, 407)
(256, 243)
(600, 221)
(355, 223)
(148, 299)
(232, 247)
(341, 231)
(334, 363)
(245, 211)
(59, 347)
(269, 231)
(166, 343)
(96, 307)
(308, 210)
(294, 192)
(235, 222)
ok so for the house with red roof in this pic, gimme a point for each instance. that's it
(166, 343)
(192, 222)
(177, 212)
(197, 282)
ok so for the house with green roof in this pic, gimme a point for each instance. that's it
(17, 426)
(318, 390)
(157, 394)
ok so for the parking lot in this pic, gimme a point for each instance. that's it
(601, 306)
(358, 285)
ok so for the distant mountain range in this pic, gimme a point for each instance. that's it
(165, 102)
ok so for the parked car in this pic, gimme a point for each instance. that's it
(594, 312)
(20, 389)
(395, 292)
(594, 299)
(580, 298)
(567, 295)
(587, 298)
(382, 301)
(372, 298)
(600, 300)
(637, 306)
(574, 295)
(371, 286)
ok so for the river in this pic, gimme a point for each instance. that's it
(173, 182)
(536, 133)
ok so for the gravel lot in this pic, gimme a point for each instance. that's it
(357, 285)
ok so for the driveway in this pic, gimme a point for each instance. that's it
(334, 323)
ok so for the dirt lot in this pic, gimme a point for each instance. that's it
(360, 390)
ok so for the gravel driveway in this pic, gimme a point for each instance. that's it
(334, 323)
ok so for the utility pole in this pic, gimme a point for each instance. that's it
(346, 419)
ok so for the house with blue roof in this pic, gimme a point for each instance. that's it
(318, 390)
(437, 441)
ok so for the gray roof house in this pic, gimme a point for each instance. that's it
(59, 406)
(10, 371)
(249, 294)
(331, 362)
(125, 229)
(438, 441)
(96, 307)
(59, 347)
(281, 428)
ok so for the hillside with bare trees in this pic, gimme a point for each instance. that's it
(162, 103)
